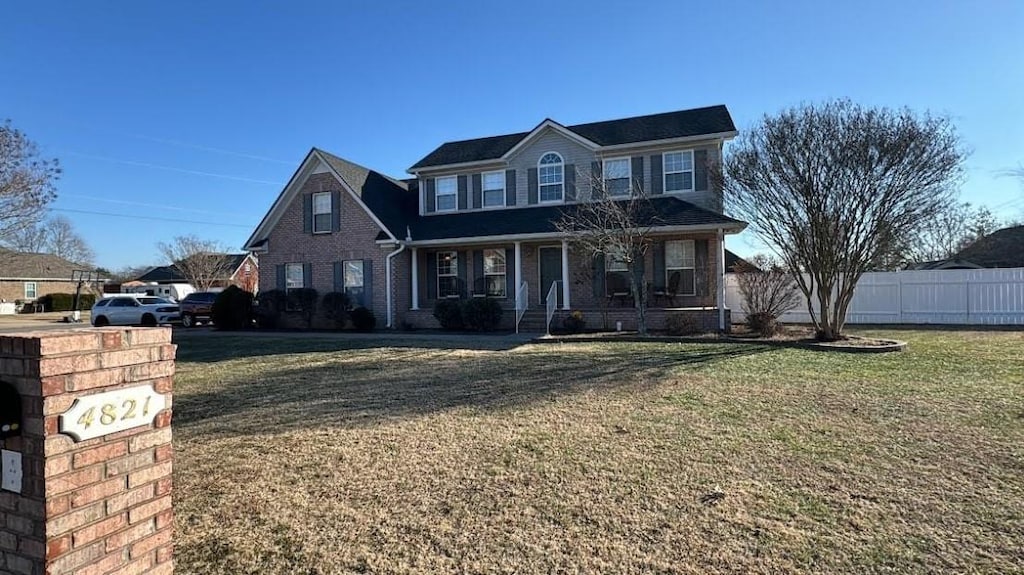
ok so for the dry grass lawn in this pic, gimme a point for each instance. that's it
(320, 456)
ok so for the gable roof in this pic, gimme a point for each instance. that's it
(665, 126)
(171, 273)
(1001, 249)
(36, 266)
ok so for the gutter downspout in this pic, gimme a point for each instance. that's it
(387, 281)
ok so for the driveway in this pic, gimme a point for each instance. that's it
(39, 321)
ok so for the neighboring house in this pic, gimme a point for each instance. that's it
(28, 276)
(477, 220)
(244, 268)
(1001, 249)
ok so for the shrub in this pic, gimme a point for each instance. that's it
(270, 305)
(448, 313)
(65, 301)
(303, 302)
(363, 319)
(232, 309)
(682, 324)
(481, 314)
(768, 291)
(336, 306)
(574, 322)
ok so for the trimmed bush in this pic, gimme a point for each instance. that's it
(65, 301)
(574, 322)
(363, 319)
(270, 305)
(302, 301)
(448, 313)
(481, 314)
(765, 324)
(232, 309)
(336, 307)
(682, 324)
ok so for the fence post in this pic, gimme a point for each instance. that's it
(899, 297)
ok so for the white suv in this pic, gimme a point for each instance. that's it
(134, 309)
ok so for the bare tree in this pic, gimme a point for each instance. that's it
(27, 182)
(768, 290)
(204, 263)
(952, 228)
(830, 187)
(55, 236)
(615, 226)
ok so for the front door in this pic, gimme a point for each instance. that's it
(550, 271)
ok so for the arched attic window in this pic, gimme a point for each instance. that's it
(551, 177)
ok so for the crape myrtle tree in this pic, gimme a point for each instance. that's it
(831, 187)
(27, 182)
(204, 263)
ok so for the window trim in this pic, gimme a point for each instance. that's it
(561, 181)
(668, 270)
(302, 268)
(344, 281)
(484, 189)
(329, 212)
(665, 173)
(454, 194)
(453, 272)
(35, 290)
(629, 175)
(503, 275)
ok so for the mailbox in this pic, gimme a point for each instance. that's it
(10, 411)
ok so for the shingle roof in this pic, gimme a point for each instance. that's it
(386, 197)
(683, 123)
(171, 273)
(29, 265)
(1001, 249)
(665, 211)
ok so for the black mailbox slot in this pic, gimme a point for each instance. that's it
(10, 411)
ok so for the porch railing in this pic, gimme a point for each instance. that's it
(522, 302)
(552, 302)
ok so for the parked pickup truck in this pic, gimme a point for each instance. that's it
(197, 307)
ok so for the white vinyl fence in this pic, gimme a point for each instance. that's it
(967, 297)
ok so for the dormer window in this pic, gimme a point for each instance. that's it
(447, 190)
(551, 177)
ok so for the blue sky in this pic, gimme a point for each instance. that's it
(204, 109)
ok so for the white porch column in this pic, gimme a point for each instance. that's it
(415, 278)
(519, 270)
(565, 274)
(721, 280)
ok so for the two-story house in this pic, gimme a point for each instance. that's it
(478, 220)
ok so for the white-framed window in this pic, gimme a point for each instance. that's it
(616, 280)
(493, 184)
(352, 270)
(678, 171)
(446, 193)
(680, 267)
(322, 213)
(494, 273)
(447, 274)
(617, 172)
(293, 276)
(551, 177)
(30, 290)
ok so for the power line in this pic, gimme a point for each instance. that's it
(154, 218)
(172, 169)
(144, 204)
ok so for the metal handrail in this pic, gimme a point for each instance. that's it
(522, 302)
(552, 301)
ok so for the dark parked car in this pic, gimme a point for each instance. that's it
(197, 307)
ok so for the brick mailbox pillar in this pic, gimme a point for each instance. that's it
(86, 466)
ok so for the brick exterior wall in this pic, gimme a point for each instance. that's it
(288, 243)
(11, 290)
(97, 506)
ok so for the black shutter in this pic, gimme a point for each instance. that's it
(597, 271)
(463, 192)
(510, 187)
(307, 213)
(477, 191)
(700, 170)
(657, 175)
(336, 211)
(431, 279)
(307, 275)
(368, 284)
(637, 172)
(281, 284)
(596, 186)
(461, 266)
(431, 193)
(570, 183)
(659, 266)
(510, 273)
(339, 276)
(700, 257)
(531, 186)
(478, 273)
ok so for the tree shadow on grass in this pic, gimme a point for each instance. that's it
(351, 390)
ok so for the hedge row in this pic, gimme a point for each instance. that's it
(65, 301)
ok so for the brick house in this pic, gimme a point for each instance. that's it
(28, 276)
(477, 220)
(244, 268)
